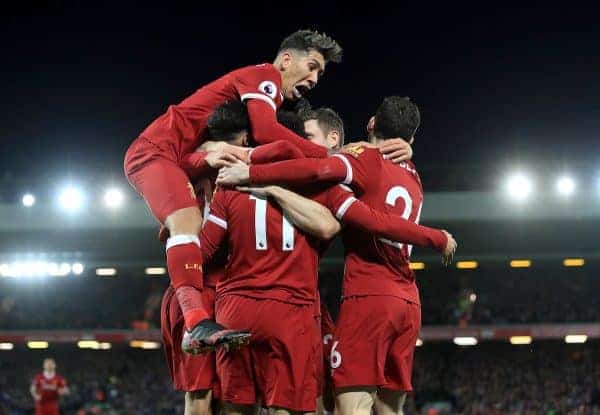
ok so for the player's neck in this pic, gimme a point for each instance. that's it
(49, 374)
(376, 141)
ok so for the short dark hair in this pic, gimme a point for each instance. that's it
(328, 120)
(292, 121)
(305, 40)
(397, 117)
(227, 120)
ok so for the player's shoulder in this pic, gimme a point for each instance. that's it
(264, 70)
(359, 153)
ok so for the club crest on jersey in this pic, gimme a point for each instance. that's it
(268, 88)
(354, 150)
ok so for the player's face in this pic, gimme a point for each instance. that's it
(49, 365)
(301, 72)
(315, 134)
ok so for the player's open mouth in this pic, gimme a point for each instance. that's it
(300, 90)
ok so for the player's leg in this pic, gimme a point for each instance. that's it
(355, 400)
(400, 356)
(198, 402)
(235, 409)
(389, 402)
(171, 198)
(358, 353)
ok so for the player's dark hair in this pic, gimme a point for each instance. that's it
(397, 117)
(291, 121)
(305, 40)
(328, 120)
(227, 120)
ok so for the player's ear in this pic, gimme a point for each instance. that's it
(371, 125)
(286, 60)
(412, 139)
(333, 139)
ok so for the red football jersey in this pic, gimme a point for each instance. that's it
(182, 128)
(268, 257)
(48, 388)
(374, 266)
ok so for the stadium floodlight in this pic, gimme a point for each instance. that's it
(37, 344)
(155, 271)
(467, 264)
(465, 341)
(77, 268)
(104, 346)
(520, 340)
(6, 346)
(28, 200)
(576, 338)
(417, 265)
(520, 263)
(419, 343)
(106, 272)
(519, 186)
(113, 198)
(565, 186)
(88, 344)
(71, 198)
(143, 344)
(574, 262)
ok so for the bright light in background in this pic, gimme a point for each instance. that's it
(419, 343)
(6, 346)
(155, 271)
(466, 264)
(465, 341)
(520, 263)
(417, 265)
(574, 262)
(77, 268)
(37, 345)
(519, 186)
(28, 200)
(473, 297)
(106, 272)
(576, 338)
(71, 198)
(113, 198)
(143, 344)
(520, 340)
(565, 186)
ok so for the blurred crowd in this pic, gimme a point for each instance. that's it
(548, 378)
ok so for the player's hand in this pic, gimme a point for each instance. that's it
(218, 159)
(240, 153)
(450, 249)
(262, 191)
(396, 150)
(237, 174)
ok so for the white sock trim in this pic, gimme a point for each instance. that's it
(182, 240)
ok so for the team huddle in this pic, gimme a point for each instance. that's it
(249, 195)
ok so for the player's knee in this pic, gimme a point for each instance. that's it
(187, 221)
(355, 401)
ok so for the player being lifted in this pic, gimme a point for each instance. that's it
(380, 315)
(152, 162)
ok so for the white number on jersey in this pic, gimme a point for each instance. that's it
(260, 227)
(392, 195)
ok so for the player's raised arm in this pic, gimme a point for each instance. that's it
(276, 151)
(214, 230)
(306, 214)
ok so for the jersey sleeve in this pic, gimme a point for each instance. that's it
(300, 172)
(275, 151)
(262, 82)
(353, 212)
(215, 226)
(62, 383)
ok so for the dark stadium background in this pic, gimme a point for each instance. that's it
(502, 89)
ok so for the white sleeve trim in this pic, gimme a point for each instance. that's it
(182, 240)
(262, 97)
(344, 207)
(217, 220)
(348, 179)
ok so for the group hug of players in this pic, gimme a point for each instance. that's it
(245, 227)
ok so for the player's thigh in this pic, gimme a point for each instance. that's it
(355, 401)
(400, 356)
(234, 409)
(389, 402)
(198, 402)
(165, 187)
(361, 340)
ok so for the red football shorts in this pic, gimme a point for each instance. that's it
(279, 366)
(188, 372)
(47, 408)
(320, 357)
(374, 342)
(154, 173)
